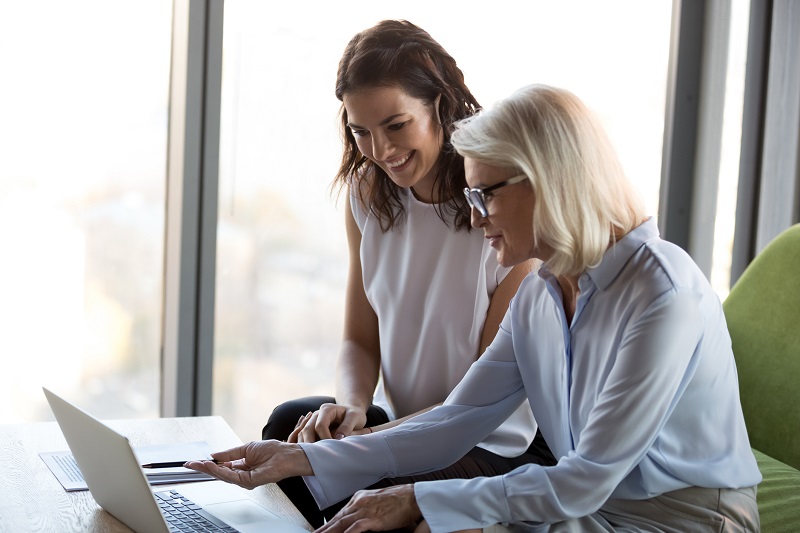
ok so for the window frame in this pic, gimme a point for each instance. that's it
(191, 212)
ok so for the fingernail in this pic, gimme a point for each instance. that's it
(339, 436)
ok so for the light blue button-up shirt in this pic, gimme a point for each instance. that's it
(637, 396)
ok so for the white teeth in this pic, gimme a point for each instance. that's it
(399, 162)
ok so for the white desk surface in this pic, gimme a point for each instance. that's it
(32, 499)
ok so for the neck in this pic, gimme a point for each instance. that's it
(569, 294)
(426, 197)
(569, 287)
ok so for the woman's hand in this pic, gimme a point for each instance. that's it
(376, 510)
(331, 421)
(256, 463)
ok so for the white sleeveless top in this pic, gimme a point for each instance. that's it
(430, 287)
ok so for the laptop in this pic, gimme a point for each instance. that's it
(118, 483)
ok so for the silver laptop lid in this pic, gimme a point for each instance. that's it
(109, 467)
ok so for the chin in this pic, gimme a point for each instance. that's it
(507, 261)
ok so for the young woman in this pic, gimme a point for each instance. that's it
(618, 343)
(425, 295)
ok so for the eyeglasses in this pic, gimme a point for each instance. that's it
(476, 197)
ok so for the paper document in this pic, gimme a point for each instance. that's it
(66, 470)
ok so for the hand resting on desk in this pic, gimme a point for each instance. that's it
(256, 463)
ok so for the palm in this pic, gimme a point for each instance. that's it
(256, 463)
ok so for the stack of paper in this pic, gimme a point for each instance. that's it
(64, 467)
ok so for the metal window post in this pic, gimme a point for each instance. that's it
(191, 210)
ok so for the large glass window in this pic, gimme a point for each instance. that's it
(730, 149)
(83, 124)
(281, 248)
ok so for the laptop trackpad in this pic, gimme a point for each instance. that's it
(246, 516)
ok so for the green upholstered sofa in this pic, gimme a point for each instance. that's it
(763, 314)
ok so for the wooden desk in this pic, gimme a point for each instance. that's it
(32, 499)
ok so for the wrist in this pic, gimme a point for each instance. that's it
(411, 498)
(358, 405)
(354, 399)
(298, 461)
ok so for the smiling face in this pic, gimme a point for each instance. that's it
(399, 133)
(509, 226)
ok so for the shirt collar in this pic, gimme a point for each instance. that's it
(617, 256)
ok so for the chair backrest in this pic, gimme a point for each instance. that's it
(763, 314)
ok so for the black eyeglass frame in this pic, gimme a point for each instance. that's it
(476, 199)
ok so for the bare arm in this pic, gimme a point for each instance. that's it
(360, 357)
(500, 300)
(358, 365)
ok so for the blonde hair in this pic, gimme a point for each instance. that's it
(582, 198)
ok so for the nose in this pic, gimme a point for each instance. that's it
(381, 147)
(476, 219)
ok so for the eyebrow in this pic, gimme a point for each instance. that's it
(381, 123)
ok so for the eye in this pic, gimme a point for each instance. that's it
(397, 126)
(359, 133)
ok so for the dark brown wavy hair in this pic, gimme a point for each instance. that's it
(396, 53)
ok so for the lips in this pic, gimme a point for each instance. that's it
(400, 163)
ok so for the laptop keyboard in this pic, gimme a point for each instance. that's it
(183, 515)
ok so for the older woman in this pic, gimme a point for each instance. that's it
(618, 343)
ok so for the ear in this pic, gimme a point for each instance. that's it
(436, 109)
